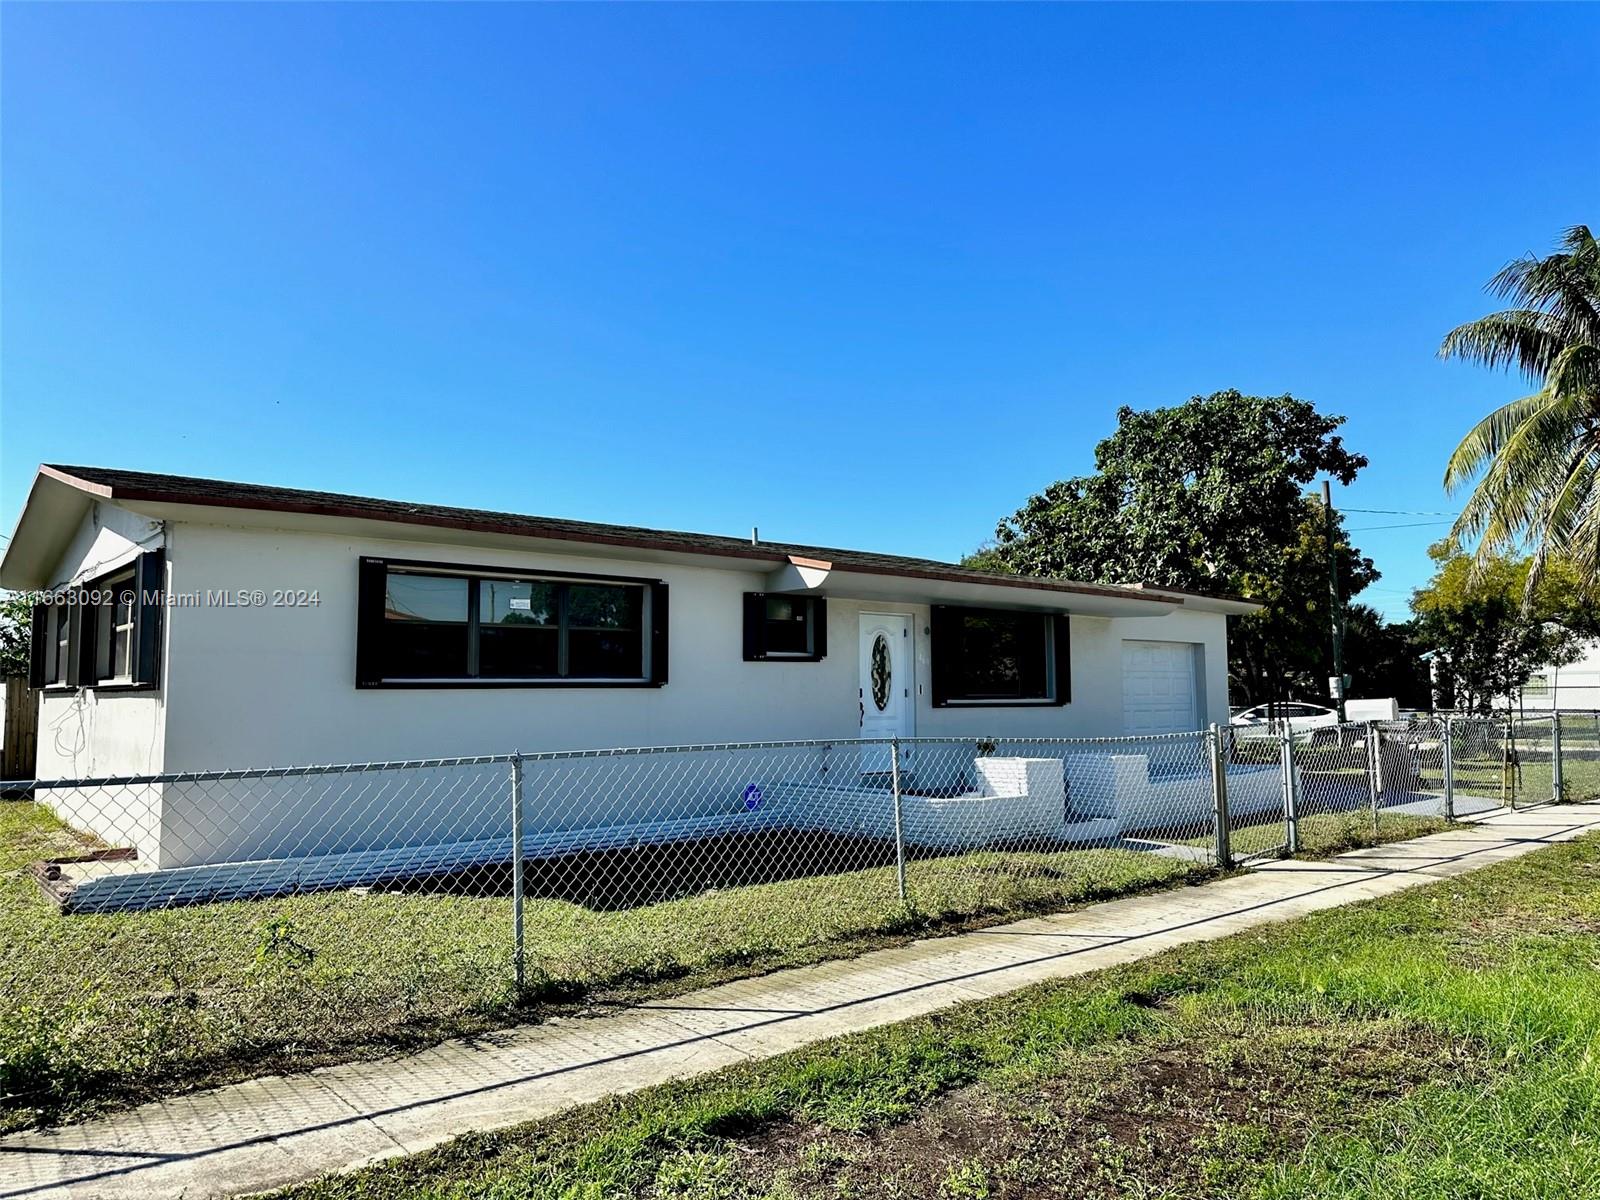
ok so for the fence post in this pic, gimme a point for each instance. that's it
(1291, 794)
(1219, 797)
(1556, 782)
(516, 872)
(899, 832)
(1374, 770)
(1449, 771)
(1508, 755)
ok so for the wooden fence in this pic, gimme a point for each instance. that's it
(20, 752)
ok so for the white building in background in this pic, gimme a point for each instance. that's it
(1574, 686)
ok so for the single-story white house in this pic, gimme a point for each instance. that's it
(191, 624)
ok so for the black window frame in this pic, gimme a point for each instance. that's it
(83, 620)
(50, 661)
(757, 646)
(945, 636)
(103, 625)
(372, 584)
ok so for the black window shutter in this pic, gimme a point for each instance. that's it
(149, 615)
(40, 631)
(944, 649)
(658, 634)
(371, 588)
(755, 626)
(80, 643)
(819, 628)
(1063, 648)
(85, 647)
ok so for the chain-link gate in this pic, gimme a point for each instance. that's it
(1579, 757)
(1261, 822)
(1335, 776)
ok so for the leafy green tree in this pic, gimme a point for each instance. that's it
(1536, 461)
(1490, 628)
(1385, 659)
(1286, 650)
(1208, 495)
(1198, 495)
(16, 633)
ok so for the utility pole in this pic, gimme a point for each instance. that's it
(1335, 605)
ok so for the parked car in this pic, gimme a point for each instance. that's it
(1302, 719)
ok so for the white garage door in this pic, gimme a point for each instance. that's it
(1158, 687)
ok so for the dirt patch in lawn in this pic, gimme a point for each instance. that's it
(1194, 1118)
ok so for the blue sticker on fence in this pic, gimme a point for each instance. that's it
(752, 797)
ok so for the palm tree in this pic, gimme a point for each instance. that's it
(1537, 460)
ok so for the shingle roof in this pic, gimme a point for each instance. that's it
(151, 487)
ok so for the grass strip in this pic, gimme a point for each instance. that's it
(1439, 1043)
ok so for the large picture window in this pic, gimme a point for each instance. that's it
(999, 657)
(432, 624)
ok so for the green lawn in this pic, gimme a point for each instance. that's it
(1326, 834)
(1527, 780)
(103, 1010)
(1440, 1044)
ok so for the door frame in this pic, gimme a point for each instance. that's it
(910, 722)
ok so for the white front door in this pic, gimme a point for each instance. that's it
(888, 693)
(1159, 692)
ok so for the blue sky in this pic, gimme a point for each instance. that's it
(862, 276)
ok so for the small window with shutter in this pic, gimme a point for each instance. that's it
(784, 628)
(115, 613)
(49, 664)
(105, 633)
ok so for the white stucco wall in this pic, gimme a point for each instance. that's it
(87, 733)
(273, 686)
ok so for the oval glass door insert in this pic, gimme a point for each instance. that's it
(881, 673)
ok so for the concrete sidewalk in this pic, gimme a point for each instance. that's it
(269, 1132)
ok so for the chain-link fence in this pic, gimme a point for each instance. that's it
(160, 923)
(1427, 767)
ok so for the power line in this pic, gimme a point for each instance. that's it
(1402, 512)
(1412, 525)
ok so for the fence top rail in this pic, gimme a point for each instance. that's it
(477, 760)
(1532, 712)
(1127, 739)
(17, 785)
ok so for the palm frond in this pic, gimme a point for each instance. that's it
(1490, 436)
(1534, 464)
(1576, 371)
(1583, 543)
(1523, 453)
(1566, 285)
(1525, 338)
(1565, 515)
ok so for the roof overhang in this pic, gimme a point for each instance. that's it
(52, 514)
(60, 499)
(1233, 606)
(813, 577)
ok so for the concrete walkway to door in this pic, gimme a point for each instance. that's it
(269, 1132)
